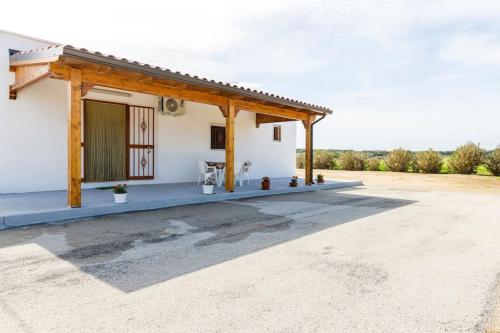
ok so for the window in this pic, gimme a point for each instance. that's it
(277, 133)
(217, 137)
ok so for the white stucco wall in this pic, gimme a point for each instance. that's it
(32, 128)
(33, 135)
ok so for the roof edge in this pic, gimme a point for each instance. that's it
(83, 54)
(123, 63)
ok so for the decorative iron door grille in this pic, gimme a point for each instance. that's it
(140, 146)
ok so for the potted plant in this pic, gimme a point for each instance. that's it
(266, 182)
(320, 179)
(208, 185)
(294, 181)
(120, 193)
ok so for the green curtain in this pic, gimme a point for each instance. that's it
(105, 141)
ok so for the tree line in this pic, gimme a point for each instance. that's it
(469, 158)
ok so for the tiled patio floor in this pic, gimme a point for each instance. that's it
(44, 207)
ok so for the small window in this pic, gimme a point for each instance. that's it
(217, 137)
(277, 133)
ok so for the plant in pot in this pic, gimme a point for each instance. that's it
(320, 179)
(294, 181)
(208, 185)
(120, 193)
(266, 182)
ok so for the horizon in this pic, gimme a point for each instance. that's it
(411, 74)
(389, 150)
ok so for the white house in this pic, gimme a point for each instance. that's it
(71, 118)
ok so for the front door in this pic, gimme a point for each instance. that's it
(105, 147)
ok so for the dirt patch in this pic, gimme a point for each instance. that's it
(417, 182)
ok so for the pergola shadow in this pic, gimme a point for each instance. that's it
(137, 250)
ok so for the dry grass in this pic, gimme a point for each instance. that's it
(417, 182)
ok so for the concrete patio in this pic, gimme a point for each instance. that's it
(22, 209)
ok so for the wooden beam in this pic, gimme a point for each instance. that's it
(271, 110)
(307, 127)
(230, 146)
(28, 75)
(265, 118)
(86, 86)
(74, 138)
(124, 82)
(138, 82)
(223, 109)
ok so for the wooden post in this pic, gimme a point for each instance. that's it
(308, 179)
(74, 139)
(230, 115)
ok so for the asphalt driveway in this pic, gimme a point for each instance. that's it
(358, 260)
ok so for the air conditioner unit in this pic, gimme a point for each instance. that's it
(171, 107)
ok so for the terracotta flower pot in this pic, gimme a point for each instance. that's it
(293, 184)
(265, 185)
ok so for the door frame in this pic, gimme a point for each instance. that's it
(128, 145)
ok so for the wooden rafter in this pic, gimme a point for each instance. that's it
(265, 118)
(271, 110)
(28, 75)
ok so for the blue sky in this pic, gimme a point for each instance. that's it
(414, 74)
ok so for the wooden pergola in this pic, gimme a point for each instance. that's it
(84, 70)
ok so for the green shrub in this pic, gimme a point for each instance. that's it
(412, 166)
(383, 166)
(466, 158)
(351, 160)
(373, 164)
(300, 160)
(445, 168)
(492, 162)
(428, 161)
(399, 160)
(324, 159)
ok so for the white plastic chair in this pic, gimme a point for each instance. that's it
(205, 171)
(245, 170)
(238, 175)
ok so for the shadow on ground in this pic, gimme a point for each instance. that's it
(136, 250)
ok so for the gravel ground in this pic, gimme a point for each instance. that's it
(369, 259)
